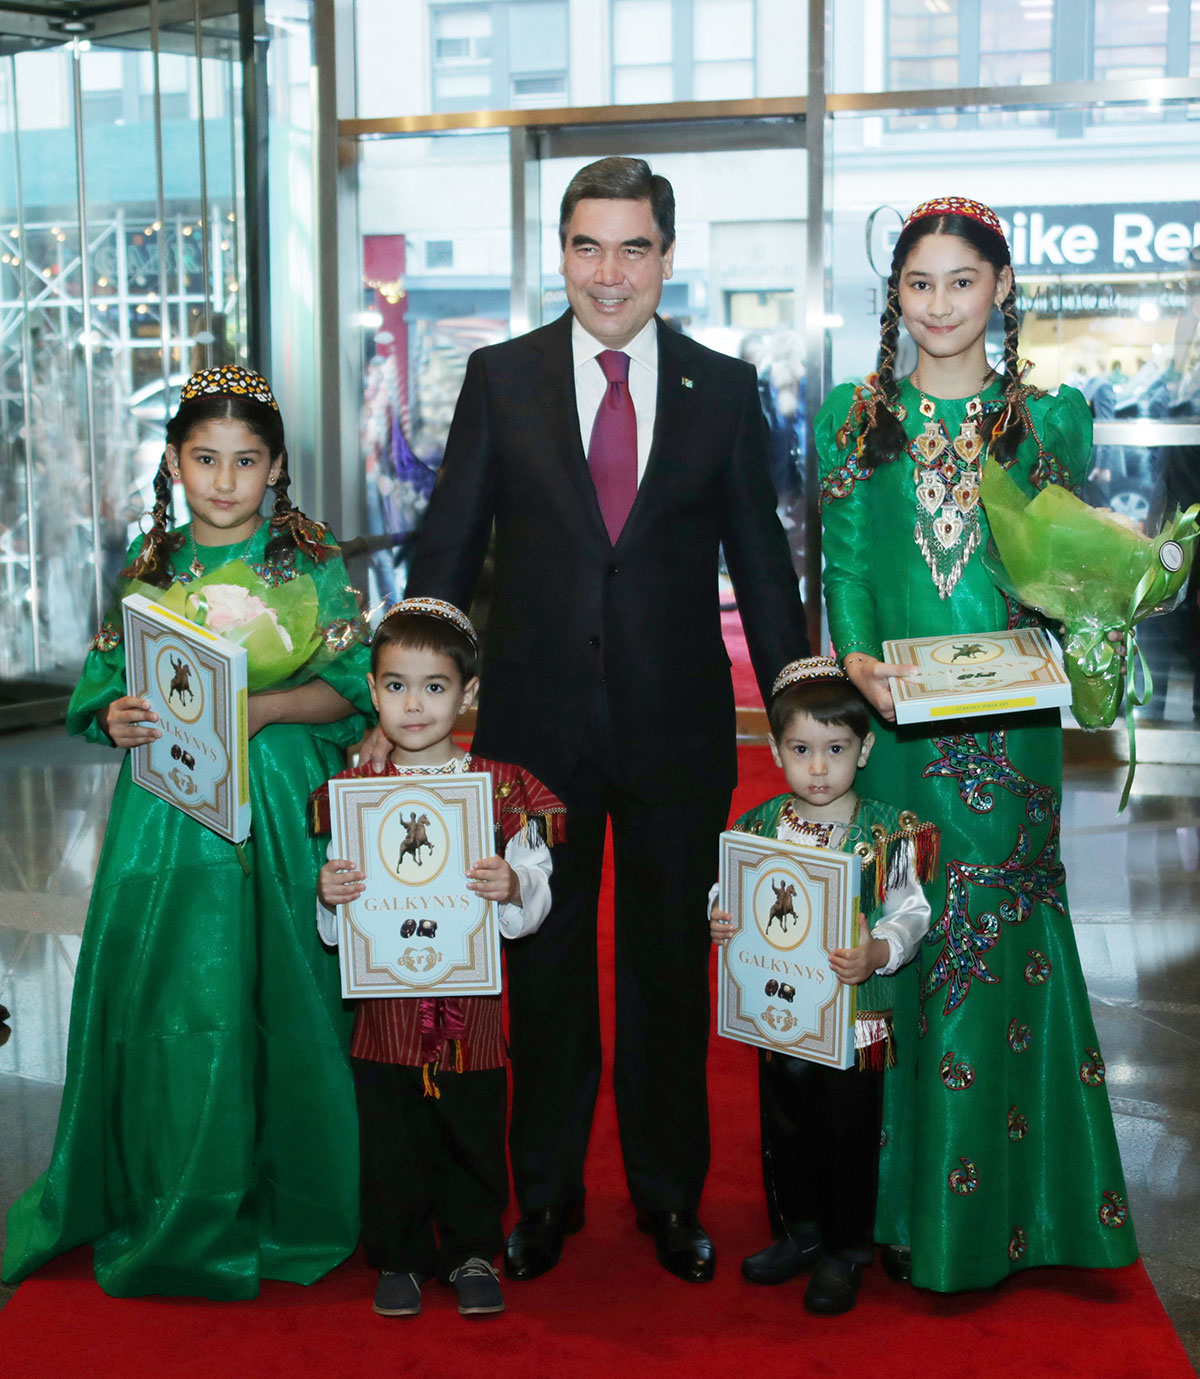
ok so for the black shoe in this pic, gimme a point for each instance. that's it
(897, 1262)
(833, 1288)
(681, 1243)
(783, 1258)
(536, 1242)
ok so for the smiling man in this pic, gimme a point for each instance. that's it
(614, 457)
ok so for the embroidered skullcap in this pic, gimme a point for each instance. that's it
(229, 380)
(437, 608)
(808, 668)
(957, 205)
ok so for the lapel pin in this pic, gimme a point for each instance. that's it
(687, 382)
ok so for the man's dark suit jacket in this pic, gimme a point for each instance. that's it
(568, 607)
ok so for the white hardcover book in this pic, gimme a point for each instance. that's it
(416, 930)
(196, 683)
(966, 674)
(792, 905)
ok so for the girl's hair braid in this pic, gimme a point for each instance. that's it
(1009, 427)
(882, 436)
(152, 564)
(292, 530)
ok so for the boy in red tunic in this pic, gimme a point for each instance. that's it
(429, 1073)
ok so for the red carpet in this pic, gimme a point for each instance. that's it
(608, 1309)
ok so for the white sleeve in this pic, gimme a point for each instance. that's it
(713, 891)
(904, 919)
(533, 866)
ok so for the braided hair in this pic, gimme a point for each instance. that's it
(881, 438)
(291, 529)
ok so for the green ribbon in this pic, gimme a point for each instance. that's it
(1133, 660)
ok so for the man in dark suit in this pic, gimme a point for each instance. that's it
(604, 673)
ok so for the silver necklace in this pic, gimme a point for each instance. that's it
(196, 568)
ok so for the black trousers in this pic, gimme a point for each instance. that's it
(665, 859)
(429, 1163)
(820, 1150)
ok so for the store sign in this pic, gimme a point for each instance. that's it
(1083, 240)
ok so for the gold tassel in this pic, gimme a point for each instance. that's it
(427, 1077)
(458, 1055)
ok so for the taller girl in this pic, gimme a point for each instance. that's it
(1001, 1152)
(207, 1132)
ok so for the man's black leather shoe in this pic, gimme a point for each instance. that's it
(681, 1243)
(536, 1242)
(782, 1259)
(833, 1288)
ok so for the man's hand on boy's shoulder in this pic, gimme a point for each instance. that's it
(374, 751)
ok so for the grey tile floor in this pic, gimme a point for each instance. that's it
(1135, 898)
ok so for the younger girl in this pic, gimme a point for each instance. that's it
(1002, 1154)
(206, 1138)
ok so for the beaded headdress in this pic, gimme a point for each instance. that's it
(957, 205)
(437, 608)
(807, 668)
(228, 380)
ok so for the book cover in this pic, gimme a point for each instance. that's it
(196, 683)
(973, 673)
(416, 930)
(793, 905)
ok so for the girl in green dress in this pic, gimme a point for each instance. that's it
(207, 1133)
(1000, 1151)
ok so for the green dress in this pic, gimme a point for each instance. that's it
(1000, 1152)
(207, 1137)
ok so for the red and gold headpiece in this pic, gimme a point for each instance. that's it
(957, 205)
(229, 380)
(437, 608)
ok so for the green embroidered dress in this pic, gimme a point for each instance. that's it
(208, 1136)
(1005, 1155)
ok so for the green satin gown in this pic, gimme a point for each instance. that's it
(207, 1137)
(1000, 1152)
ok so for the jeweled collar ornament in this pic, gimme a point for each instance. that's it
(436, 608)
(229, 380)
(807, 668)
(957, 205)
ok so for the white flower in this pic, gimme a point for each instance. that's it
(230, 606)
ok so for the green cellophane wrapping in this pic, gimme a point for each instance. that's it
(1088, 570)
(271, 664)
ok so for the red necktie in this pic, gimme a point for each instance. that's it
(612, 451)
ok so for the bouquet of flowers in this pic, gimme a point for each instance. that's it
(277, 626)
(1094, 573)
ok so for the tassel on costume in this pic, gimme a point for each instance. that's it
(428, 1078)
(874, 1041)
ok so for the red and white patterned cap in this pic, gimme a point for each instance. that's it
(957, 205)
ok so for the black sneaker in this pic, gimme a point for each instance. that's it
(398, 1295)
(478, 1288)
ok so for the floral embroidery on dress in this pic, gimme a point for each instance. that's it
(957, 1077)
(980, 772)
(964, 1180)
(1019, 1036)
(1018, 1125)
(839, 482)
(107, 639)
(1114, 1211)
(1092, 1072)
(965, 939)
(1017, 1244)
(345, 632)
(1037, 969)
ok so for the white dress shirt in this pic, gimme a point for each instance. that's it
(591, 385)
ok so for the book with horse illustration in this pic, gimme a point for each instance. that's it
(416, 930)
(970, 673)
(793, 905)
(196, 683)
